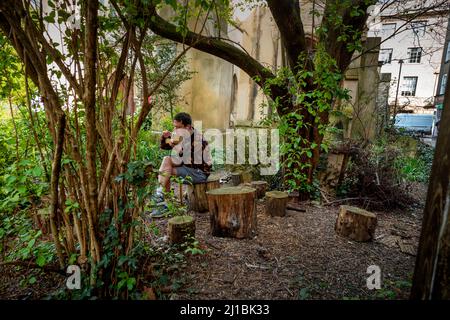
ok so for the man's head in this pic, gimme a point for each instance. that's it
(182, 120)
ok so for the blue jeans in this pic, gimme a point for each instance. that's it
(197, 175)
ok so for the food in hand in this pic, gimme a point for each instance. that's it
(175, 140)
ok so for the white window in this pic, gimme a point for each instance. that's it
(443, 84)
(447, 55)
(414, 55)
(419, 27)
(385, 55)
(409, 86)
(387, 29)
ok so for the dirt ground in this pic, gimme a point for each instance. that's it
(298, 256)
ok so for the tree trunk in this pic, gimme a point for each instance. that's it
(181, 229)
(91, 131)
(276, 202)
(56, 170)
(197, 198)
(356, 224)
(432, 273)
(233, 212)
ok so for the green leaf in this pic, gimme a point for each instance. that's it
(22, 190)
(31, 243)
(130, 283)
(40, 261)
(37, 171)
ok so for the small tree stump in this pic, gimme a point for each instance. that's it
(180, 229)
(197, 199)
(236, 178)
(261, 188)
(233, 212)
(355, 223)
(276, 202)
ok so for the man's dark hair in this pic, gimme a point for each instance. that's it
(184, 118)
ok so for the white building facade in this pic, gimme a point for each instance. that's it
(411, 50)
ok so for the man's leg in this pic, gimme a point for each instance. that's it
(165, 171)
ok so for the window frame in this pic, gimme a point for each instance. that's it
(390, 55)
(412, 93)
(383, 31)
(417, 56)
(414, 28)
(443, 85)
(447, 53)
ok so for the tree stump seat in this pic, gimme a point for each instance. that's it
(276, 202)
(196, 193)
(261, 188)
(181, 229)
(233, 212)
(355, 223)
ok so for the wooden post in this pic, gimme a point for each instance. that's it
(261, 188)
(180, 228)
(233, 212)
(356, 224)
(276, 202)
(432, 273)
(197, 199)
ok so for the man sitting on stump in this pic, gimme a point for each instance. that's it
(190, 157)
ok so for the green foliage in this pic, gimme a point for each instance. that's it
(23, 241)
(295, 149)
(417, 168)
(393, 290)
(382, 173)
(192, 247)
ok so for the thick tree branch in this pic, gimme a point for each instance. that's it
(334, 45)
(217, 48)
(287, 16)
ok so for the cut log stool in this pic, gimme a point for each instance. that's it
(180, 229)
(355, 223)
(261, 188)
(276, 202)
(197, 199)
(233, 212)
(236, 178)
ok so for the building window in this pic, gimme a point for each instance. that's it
(385, 55)
(418, 28)
(388, 29)
(443, 84)
(409, 86)
(414, 55)
(447, 54)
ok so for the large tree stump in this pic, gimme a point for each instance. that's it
(233, 212)
(197, 199)
(181, 229)
(276, 202)
(261, 188)
(356, 224)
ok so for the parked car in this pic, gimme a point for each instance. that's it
(415, 123)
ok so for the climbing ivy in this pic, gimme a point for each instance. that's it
(317, 101)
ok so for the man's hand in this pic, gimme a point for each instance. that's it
(170, 142)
